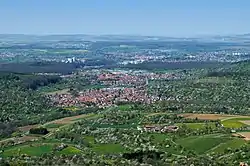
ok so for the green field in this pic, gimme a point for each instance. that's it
(31, 150)
(70, 151)
(234, 143)
(108, 148)
(197, 125)
(202, 144)
(234, 123)
(159, 137)
(125, 107)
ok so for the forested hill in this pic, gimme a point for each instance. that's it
(38, 67)
(21, 104)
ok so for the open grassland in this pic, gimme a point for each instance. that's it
(70, 151)
(202, 144)
(38, 149)
(197, 125)
(104, 148)
(125, 107)
(108, 148)
(31, 150)
(236, 122)
(234, 143)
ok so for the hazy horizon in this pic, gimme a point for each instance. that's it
(176, 18)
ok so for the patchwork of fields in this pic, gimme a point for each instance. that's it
(200, 144)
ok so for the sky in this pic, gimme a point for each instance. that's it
(125, 17)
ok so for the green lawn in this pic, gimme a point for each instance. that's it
(197, 125)
(159, 137)
(108, 148)
(201, 144)
(125, 107)
(70, 151)
(104, 148)
(90, 139)
(31, 150)
(234, 123)
(233, 144)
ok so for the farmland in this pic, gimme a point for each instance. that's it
(228, 121)
(178, 118)
(206, 116)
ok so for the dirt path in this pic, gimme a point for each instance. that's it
(27, 128)
(70, 120)
(19, 139)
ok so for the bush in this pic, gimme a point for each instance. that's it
(41, 131)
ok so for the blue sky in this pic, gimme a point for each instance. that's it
(137, 17)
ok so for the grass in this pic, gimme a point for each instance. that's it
(104, 148)
(125, 107)
(201, 144)
(34, 150)
(108, 148)
(70, 151)
(233, 144)
(90, 139)
(234, 122)
(197, 125)
(158, 137)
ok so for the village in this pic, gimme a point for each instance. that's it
(118, 87)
